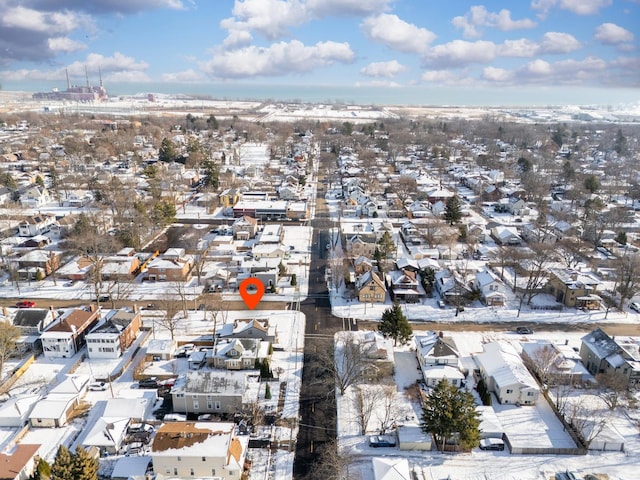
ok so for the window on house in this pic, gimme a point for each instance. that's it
(175, 470)
(509, 391)
(191, 472)
(196, 405)
(217, 404)
(179, 459)
(204, 459)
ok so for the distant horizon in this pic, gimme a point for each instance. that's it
(361, 95)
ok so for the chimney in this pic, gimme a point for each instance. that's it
(441, 334)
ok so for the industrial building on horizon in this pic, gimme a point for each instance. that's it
(76, 93)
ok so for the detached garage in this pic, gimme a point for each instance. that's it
(413, 438)
(608, 440)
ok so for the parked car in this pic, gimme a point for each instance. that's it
(376, 441)
(441, 304)
(25, 304)
(524, 331)
(98, 386)
(148, 383)
(635, 306)
(491, 444)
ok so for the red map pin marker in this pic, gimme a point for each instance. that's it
(251, 291)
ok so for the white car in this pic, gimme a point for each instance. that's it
(98, 386)
(635, 306)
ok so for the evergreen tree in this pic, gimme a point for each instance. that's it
(62, 468)
(85, 467)
(167, 151)
(42, 471)
(386, 246)
(591, 183)
(267, 392)
(452, 211)
(294, 280)
(427, 279)
(211, 174)
(449, 413)
(395, 325)
(212, 122)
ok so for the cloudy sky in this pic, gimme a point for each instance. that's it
(491, 44)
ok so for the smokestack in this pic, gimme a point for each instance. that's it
(68, 82)
(86, 74)
(100, 75)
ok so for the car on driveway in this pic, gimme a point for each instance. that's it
(635, 306)
(377, 441)
(148, 383)
(524, 331)
(25, 304)
(98, 386)
(491, 444)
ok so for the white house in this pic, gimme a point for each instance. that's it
(491, 288)
(439, 359)
(199, 450)
(505, 374)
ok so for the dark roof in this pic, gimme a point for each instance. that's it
(30, 317)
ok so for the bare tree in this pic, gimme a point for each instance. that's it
(612, 387)
(571, 251)
(562, 390)
(348, 362)
(586, 421)
(171, 318)
(366, 402)
(404, 188)
(541, 257)
(118, 291)
(331, 464)
(390, 412)
(542, 361)
(9, 334)
(627, 277)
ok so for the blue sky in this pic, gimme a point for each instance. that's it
(553, 44)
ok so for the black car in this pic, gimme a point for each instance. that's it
(524, 331)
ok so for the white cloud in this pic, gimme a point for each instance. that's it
(383, 69)
(445, 77)
(478, 16)
(397, 34)
(270, 18)
(612, 34)
(187, 76)
(322, 8)
(35, 21)
(499, 75)
(461, 52)
(65, 44)
(237, 38)
(522, 47)
(558, 42)
(278, 59)
(117, 66)
(24, 74)
(579, 7)
(538, 67)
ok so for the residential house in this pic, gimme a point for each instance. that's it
(362, 265)
(271, 234)
(220, 392)
(36, 225)
(33, 321)
(174, 265)
(123, 266)
(45, 261)
(492, 290)
(538, 234)
(391, 468)
(602, 354)
(112, 337)
(451, 287)
(370, 288)
(54, 410)
(66, 335)
(78, 268)
(554, 363)
(506, 235)
(159, 349)
(244, 228)
(359, 245)
(505, 374)
(6, 195)
(15, 410)
(186, 450)
(439, 359)
(237, 354)
(34, 197)
(298, 210)
(259, 329)
(574, 288)
(19, 462)
(229, 197)
(404, 286)
(267, 250)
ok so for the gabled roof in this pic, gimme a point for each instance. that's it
(13, 462)
(601, 344)
(30, 317)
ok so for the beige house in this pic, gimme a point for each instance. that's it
(371, 288)
(574, 288)
(184, 450)
(172, 266)
(358, 245)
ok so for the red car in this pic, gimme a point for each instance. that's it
(25, 304)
